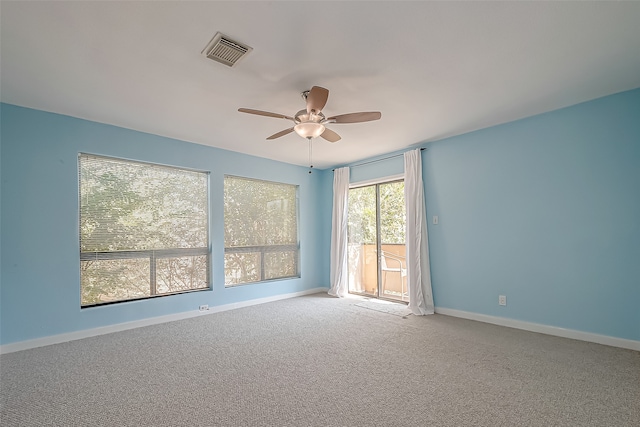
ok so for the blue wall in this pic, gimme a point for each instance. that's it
(544, 210)
(377, 167)
(40, 290)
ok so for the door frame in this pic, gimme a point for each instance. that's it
(377, 182)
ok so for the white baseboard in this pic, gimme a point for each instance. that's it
(502, 321)
(543, 329)
(71, 336)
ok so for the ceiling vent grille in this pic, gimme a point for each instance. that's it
(225, 51)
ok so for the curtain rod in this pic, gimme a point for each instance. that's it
(378, 160)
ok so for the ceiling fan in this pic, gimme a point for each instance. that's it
(310, 123)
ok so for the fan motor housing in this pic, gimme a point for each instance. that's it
(303, 116)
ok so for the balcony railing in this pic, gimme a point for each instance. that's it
(363, 270)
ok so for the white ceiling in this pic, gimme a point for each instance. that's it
(434, 69)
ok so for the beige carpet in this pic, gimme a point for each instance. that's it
(320, 361)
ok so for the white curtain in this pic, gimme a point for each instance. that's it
(418, 270)
(339, 267)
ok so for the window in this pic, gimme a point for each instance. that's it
(143, 230)
(260, 231)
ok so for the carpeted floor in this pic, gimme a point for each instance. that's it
(397, 309)
(321, 361)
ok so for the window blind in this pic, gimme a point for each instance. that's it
(143, 229)
(261, 230)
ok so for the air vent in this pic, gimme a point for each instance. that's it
(225, 51)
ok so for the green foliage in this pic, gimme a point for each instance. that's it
(392, 213)
(362, 214)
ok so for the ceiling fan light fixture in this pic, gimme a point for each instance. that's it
(309, 129)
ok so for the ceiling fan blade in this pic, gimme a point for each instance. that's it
(356, 117)
(281, 133)
(264, 113)
(330, 135)
(316, 99)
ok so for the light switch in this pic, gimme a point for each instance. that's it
(435, 219)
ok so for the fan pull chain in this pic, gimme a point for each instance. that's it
(310, 154)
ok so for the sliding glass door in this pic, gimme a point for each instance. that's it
(377, 264)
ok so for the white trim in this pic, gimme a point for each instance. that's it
(543, 329)
(374, 181)
(71, 336)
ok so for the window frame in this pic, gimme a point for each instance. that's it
(152, 254)
(265, 249)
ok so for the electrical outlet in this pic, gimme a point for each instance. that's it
(502, 299)
(435, 219)
(204, 307)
